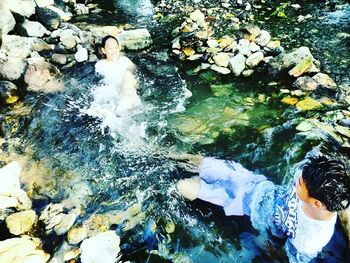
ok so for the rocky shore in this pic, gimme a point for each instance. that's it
(38, 43)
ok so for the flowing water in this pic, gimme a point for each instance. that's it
(117, 166)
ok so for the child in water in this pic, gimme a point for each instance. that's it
(117, 71)
(303, 212)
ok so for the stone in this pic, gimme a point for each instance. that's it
(212, 43)
(252, 32)
(325, 81)
(32, 29)
(25, 8)
(289, 100)
(81, 9)
(60, 59)
(21, 222)
(305, 83)
(247, 72)
(221, 90)
(8, 92)
(7, 21)
(65, 16)
(305, 126)
(103, 247)
(68, 39)
(76, 235)
(197, 16)
(71, 254)
(342, 130)
(237, 64)
(195, 57)
(308, 104)
(253, 47)
(102, 31)
(44, 3)
(40, 45)
(65, 224)
(301, 68)
(17, 46)
(220, 70)
(15, 250)
(81, 55)
(12, 68)
(243, 47)
(221, 59)
(135, 39)
(50, 19)
(226, 42)
(188, 51)
(263, 38)
(40, 77)
(254, 59)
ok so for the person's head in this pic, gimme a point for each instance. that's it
(324, 183)
(110, 47)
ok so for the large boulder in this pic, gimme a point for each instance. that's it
(32, 29)
(25, 8)
(21, 222)
(7, 21)
(50, 19)
(8, 92)
(286, 61)
(41, 77)
(103, 247)
(17, 46)
(135, 39)
(12, 68)
(22, 249)
(237, 64)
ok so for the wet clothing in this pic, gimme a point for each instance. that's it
(270, 207)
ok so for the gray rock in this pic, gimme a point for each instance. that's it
(7, 21)
(15, 250)
(243, 47)
(247, 72)
(221, 59)
(16, 46)
(12, 68)
(237, 64)
(44, 3)
(76, 235)
(221, 70)
(305, 83)
(263, 38)
(135, 39)
(68, 39)
(32, 29)
(21, 222)
(81, 9)
(8, 92)
(254, 59)
(50, 19)
(60, 59)
(325, 81)
(24, 8)
(103, 247)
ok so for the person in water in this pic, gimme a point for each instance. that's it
(304, 212)
(117, 71)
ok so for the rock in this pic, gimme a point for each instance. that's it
(60, 59)
(221, 90)
(25, 8)
(8, 92)
(50, 19)
(325, 81)
(100, 32)
(302, 67)
(32, 29)
(220, 70)
(68, 39)
(289, 100)
(103, 247)
(304, 126)
(243, 47)
(305, 83)
(263, 38)
(16, 46)
(71, 254)
(65, 224)
(195, 57)
(81, 9)
(342, 130)
(273, 46)
(254, 59)
(247, 72)
(308, 104)
(7, 21)
(76, 235)
(21, 222)
(188, 51)
(40, 45)
(253, 47)
(135, 39)
(251, 32)
(15, 250)
(12, 68)
(44, 3)
(65, 16)
(212, 43)
(221, 59)
(237, 64)
(197, 16)
(227, 43)
(40, 77)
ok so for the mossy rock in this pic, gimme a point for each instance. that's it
(308, 104)
(221, 90)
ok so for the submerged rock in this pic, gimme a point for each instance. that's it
(8, 92)
(302, 67)
(135, 39)
(308, 104)
(103, 247)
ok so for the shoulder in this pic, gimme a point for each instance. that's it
(100, 65)
(126, 61)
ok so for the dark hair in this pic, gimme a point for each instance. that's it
(327, 180)
(104, 40)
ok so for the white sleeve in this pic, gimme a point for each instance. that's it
(99, 67)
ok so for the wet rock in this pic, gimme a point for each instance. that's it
(237, 64)
(8, 92)
(81, 55)
(221, 90)
(325, 81)
(21, 222)
(263, 39)
(32, 29)
(40, 77)
(254, 59)
(305, 83)
(50, 19)
(22, 249)
(25, 8)
(103, 247)
(76, 235)
(289, 100)
(253, 47)
(247, 72)
(308, 104)
(71, 254)
(135, 39)
(65, 16)
(302, 67)
(7, 21)
(100, 32)
(81, 9)
(221, 70)
(16, 46)
(68, 39)
(342, 130)
(221, 59)
(12, 68)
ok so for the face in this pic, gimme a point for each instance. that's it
(111, 49)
